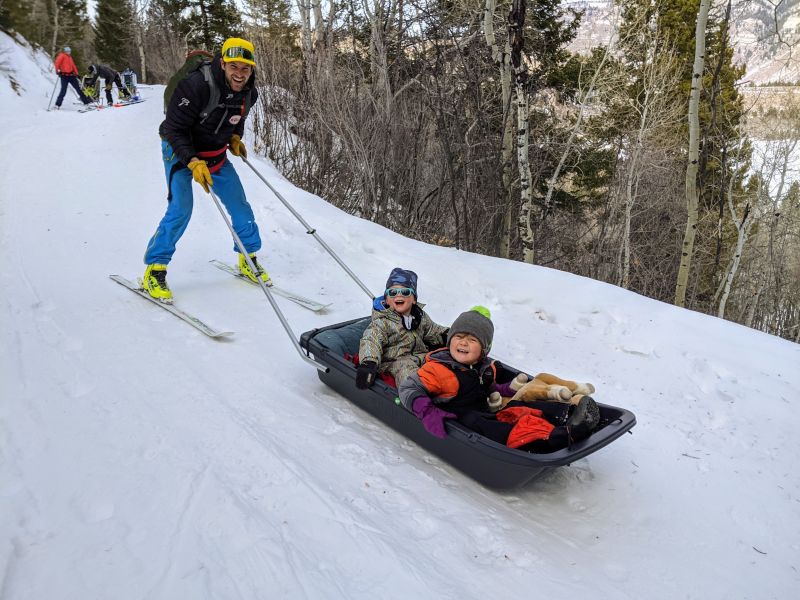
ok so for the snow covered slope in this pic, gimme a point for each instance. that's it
(140, 459)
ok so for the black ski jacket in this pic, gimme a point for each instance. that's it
(108, 75)
(183, 126)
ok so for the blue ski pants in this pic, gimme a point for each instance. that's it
(73, 81)
(227, 187)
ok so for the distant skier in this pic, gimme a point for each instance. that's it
(68, 72)
(205, 117)
(110, 76)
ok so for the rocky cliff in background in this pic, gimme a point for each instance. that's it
(766, 38)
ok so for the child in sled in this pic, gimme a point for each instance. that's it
(459, 382)
(400, 333)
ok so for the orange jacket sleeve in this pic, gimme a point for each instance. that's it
(64, 64)
(439, 380)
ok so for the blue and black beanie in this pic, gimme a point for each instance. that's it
(404, 277)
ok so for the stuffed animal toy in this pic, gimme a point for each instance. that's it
(543, 386)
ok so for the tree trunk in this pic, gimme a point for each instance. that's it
(516, 24)
(305, 36)
(692, 191)
(318, 38)
(742, 231)
(502, 60)
(140, 48)
(54, 43)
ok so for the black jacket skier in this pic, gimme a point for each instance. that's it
(184, 126)
(205, 117)
(110, 76)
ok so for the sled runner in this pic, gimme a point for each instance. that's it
(489, 463)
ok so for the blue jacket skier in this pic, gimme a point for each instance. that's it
(205, 117)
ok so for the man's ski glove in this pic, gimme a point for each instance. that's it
(365, 374)
(432, 417)
(200, 173)
(237, 146)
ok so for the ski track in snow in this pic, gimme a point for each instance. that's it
(139, 459)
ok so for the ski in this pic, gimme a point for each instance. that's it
(192, 320)
(122, 103)
(296, 298)
(91, 107)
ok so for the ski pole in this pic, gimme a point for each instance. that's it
(264, 286)
(55, 85)
(309, 229)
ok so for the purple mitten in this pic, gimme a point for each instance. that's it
(505, 389)
(431, 416)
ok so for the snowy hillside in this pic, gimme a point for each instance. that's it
(141, 459)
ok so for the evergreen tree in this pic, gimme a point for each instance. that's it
(49, 24)
(112, 29)
(549, 29)
(211, 22)
(273, 18)
(73, 29)
(14, 14)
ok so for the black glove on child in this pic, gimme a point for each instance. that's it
(365, 374)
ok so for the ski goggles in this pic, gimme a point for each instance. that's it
(392, 292)
(235, 52)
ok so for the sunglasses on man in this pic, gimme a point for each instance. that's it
(392, 292)
(238, 52)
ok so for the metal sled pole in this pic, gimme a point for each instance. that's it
(310, 230)
(50, 104)
(264, 286)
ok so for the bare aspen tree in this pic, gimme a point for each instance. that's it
(692, 191)
(502, 59)
(304, 8)
(319, 33)
(139, 8)
(742, 225)
(516, 24)
(656, 113)
(379, 66)
(583, 102)
(53, 44)
(751, 213)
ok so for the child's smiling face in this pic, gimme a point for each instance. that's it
(399, 303)
(465, 348)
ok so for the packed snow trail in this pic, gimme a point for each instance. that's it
(142, 460)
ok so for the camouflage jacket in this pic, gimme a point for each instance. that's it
(387, 339)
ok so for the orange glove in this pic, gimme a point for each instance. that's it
(200, 173)
(237, 146)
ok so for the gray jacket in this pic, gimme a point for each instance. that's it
(387, 339)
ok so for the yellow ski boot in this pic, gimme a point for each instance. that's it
(245, 269)
(155, 283)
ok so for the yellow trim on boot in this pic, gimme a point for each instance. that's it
(244, 269)
(151, 285)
